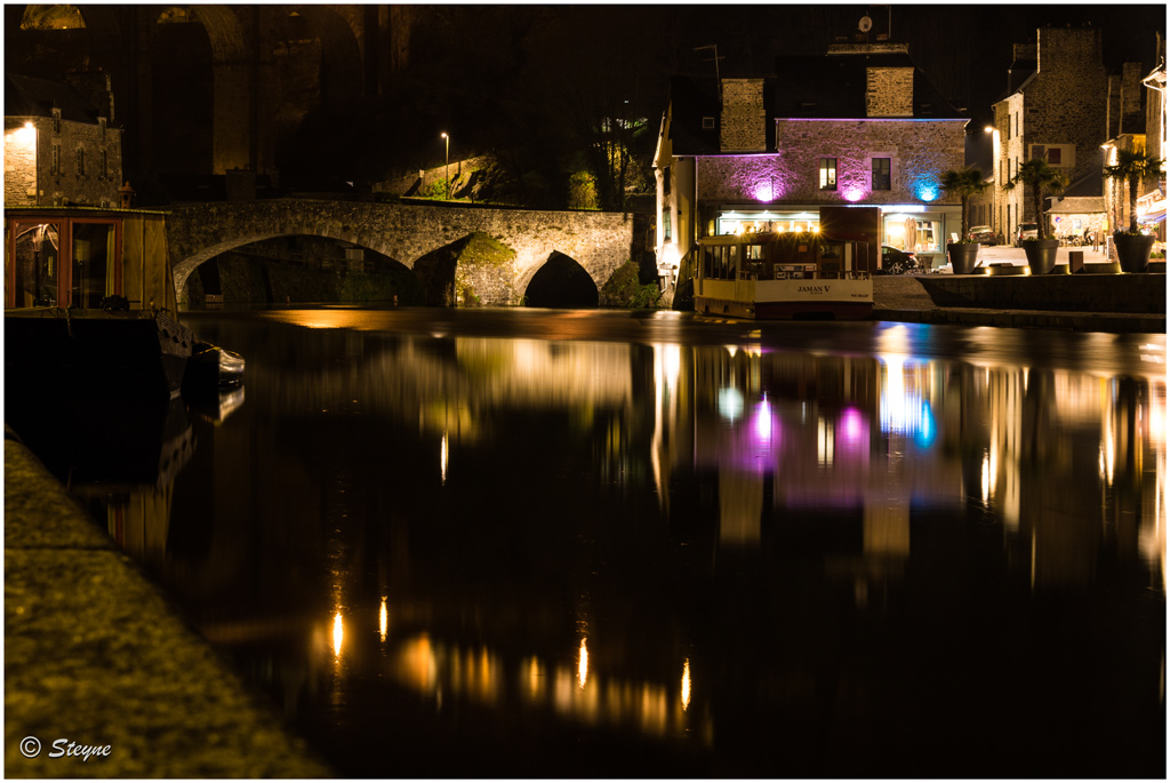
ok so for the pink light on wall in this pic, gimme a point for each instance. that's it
(764, 191)
(853, 194)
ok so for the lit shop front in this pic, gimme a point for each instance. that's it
(914, 228)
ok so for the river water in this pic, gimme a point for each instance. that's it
(561, 544)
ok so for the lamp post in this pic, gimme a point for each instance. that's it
(446, 161)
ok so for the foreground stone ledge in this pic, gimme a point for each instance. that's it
(94, 653)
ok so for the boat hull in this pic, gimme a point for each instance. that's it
(133, 356)
(841, 299)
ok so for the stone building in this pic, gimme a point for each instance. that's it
(58, 150)
(1055, 109)
(859, 125)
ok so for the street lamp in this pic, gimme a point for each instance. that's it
(446, 161)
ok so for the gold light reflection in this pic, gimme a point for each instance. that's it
(686, 684)
(443, 459)
(338, 635)
(582, 664)
(383, 620)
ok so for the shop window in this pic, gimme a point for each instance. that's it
(828, 177)
(880, 174)
(36, 266)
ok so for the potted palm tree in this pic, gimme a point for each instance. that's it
(1133, 247)
(963, 185)
(1041, 180)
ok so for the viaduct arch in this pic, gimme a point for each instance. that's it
(598, 241)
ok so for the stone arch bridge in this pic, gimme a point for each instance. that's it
(405, 232)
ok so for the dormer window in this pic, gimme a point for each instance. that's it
(708, 123)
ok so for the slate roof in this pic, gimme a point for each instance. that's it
(833, 86)
(28, 96)
(690, 101)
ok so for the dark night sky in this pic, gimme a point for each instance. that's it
(965, 49)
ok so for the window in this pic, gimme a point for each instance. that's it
(666, 224)
(708, 123)
(55, 166)
(828, 173)
(881, 174)
(1017, 123)
(56, 120)
(1009, 133)
(666, 181)
(105, 172)
(80, 162)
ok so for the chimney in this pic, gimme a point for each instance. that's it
(889, 92)
(743, 122)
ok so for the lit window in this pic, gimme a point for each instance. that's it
(828, 174)
(881, 174)
(666, 224)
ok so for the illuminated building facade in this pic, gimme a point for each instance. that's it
(860, 125)
(58, 150)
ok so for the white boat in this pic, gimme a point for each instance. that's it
(782, 275)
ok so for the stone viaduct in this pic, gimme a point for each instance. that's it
(598, 241)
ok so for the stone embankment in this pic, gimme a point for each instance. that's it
(94, 655)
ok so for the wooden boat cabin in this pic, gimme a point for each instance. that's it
(78, 256)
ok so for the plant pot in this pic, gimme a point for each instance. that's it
(1133, 251)
(1041, 254)
(963, 257)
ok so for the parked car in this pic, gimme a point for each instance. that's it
(897, 262)
(1027, 231)
(982, 234)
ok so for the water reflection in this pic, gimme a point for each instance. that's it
(791, 550)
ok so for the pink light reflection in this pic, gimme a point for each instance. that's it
(852, 424)
(763, 423)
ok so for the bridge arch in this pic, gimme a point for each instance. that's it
(561, 282)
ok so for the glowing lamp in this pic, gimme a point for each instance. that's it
(853, 194)
(764, 191)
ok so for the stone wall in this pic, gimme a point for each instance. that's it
(889, 92)
(598, 241)
(920, 152)
(20, 165)
(64, 177)
(742, 126)
(1065, 103)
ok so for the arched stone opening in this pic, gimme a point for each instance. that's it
(300, 269)
(561, 282)
(181, 100)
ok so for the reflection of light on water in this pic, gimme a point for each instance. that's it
(763, 421)
(686, 684)
(582, 665)
(338, 635)
(904, 412)
(730, 403)
(851, 424)
(443, 459)
(985, 477)
(383, 620)
(824, 442)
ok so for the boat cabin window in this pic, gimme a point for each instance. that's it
(93, 273)
(719, 262)
(36, 263)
